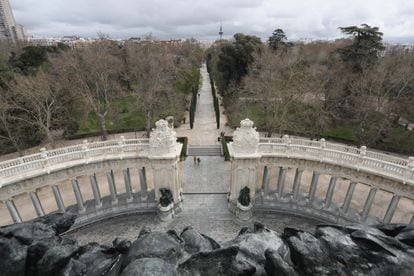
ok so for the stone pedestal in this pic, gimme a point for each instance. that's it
(166, 213)
(245, 160)
(244, 213)
(164, 155)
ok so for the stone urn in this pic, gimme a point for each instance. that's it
(244, 213)
(166, 213)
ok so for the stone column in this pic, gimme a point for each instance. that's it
(164, 156)
(37, 205)
(313, 186)
(391, 208)
(95, 190)
(59, 200)
(296, 184)
(330, 192)
(78, 196)
(128, 188)
(265, 182)
(112, 188)
(368, 204)
(281, 181)
(143, 183)
(14, 213)
(348, 197)
(245, 160)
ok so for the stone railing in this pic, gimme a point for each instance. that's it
(254, 158)
(377, 163)
(49, 170)
(70, 156)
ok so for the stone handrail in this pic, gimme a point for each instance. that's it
(358, 158)
(81, 153)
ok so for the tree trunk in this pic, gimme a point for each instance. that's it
(148, 128)
(102, 122)
(49, 137)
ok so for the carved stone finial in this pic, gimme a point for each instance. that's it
(363, 150)
(246, 138)
(163, 139)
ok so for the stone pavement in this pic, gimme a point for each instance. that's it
(207, 214)
(212, 175)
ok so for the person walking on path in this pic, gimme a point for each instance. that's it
(195, 160)
(198, 160)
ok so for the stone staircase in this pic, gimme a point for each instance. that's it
(208, 150)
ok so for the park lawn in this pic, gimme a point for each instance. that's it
(344, 133)
(253, 112)
(399, 140)
(123, 115)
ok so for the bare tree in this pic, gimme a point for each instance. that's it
(152, 73)
(35, 100)
(275, 82)
(94, 74)
(6, 124)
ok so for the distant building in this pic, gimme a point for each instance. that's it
(9, 30)
(134, 39)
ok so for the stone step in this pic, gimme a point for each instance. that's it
(213, 150)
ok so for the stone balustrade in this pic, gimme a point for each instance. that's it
(263, 165)
(377, 163)
(158, 155)
(48, 161)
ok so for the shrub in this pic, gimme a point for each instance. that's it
(184, 141)
(224, 141)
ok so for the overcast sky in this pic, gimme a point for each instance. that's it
(300, 19)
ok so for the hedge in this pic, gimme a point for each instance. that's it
(184, 141)
(216, 102)
(224, 140)
(193, 107)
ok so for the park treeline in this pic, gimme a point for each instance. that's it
(50, 93)
(355, 90)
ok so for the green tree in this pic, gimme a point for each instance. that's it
(365, 48)
(30, 59)
(277, 40)
(235, 58)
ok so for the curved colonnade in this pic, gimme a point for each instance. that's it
(124, 177)
(324, 181)
(342, 183)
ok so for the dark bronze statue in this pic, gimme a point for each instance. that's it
(244, 197)
(166, 197)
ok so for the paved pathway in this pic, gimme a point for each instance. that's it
(205, 130)
(212, 175)
(207, 214)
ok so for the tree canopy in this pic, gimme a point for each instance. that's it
(365, 48)
(277, 40)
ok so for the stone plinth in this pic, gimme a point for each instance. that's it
(245, 159)
(166, 213)
(243, 213)
(164, 155)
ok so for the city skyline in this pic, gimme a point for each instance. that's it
(315, 19)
